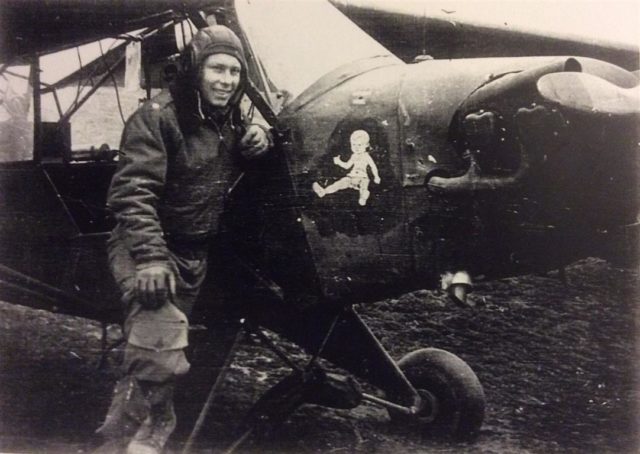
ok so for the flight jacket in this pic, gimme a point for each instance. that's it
(176, 165)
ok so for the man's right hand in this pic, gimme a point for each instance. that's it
(155, 286)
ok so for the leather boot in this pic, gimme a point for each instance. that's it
(128, 410)
(160, 423)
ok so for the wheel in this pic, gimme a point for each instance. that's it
(452, 394)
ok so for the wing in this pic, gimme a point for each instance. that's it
(39, 27)
(448, 30)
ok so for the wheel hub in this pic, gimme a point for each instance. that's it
(428, 409)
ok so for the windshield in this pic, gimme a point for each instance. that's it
(297, 42)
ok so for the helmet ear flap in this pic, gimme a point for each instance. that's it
(188, 60)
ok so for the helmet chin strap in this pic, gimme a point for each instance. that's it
(199, 97)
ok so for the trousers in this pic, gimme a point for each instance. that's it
(155, 339)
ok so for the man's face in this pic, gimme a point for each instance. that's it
(219, 79)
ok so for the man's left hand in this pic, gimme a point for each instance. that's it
(255, 142)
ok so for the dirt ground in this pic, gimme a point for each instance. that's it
(558, 363)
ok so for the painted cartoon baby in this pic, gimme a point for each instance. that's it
(359, 163)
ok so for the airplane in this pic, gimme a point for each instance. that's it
(470, 169)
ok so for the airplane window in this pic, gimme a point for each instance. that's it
(98, 121)
(299, 42)
(16, 122)
(70, 76)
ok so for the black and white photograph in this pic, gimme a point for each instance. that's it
(319, 226)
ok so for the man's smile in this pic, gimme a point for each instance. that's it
(220, 91)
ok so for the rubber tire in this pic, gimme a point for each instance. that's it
(459, 394)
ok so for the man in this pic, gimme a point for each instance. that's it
(181, 153)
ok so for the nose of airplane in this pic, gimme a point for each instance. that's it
(564, 135)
